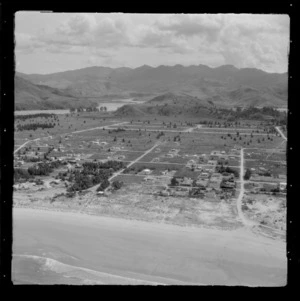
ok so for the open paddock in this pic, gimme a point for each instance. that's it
(275, 168)
(128, 179)
(130, 156)
(156, 168)
(157, 127)
(163, 158)
(233, 162)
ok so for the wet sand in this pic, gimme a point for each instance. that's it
(74, 248)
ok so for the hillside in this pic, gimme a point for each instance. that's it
(169, 104)
(225, 85)
(29, 96)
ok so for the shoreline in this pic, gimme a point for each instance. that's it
(144, 250)
(241, 231)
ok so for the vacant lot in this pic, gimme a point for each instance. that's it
(268, 211)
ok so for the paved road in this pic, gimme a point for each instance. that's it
(139, 251)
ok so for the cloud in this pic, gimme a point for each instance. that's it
(75, 34)
(26, 43)
(192, 25)
(244, 40)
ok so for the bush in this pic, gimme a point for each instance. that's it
(117, 184)
(20, 173)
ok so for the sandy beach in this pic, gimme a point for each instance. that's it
(73, 248)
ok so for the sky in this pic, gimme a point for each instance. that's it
(55, 42)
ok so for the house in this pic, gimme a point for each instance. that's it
(228, 185)
(149, 179)
(146, 171)
(202, 159)
(203, 175)
(164, 193)
(196, 193)
(70, 167)
(229, 178)
(185, 181)
(212, 162)
(201, 183)
(215, 184)
(283, 177)
(282, 186)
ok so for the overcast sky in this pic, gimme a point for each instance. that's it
(54, 42)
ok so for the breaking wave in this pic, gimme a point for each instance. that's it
(79, 275)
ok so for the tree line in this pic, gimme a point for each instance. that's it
(40, 115)
(34, 126)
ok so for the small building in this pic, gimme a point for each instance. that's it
(212, 162)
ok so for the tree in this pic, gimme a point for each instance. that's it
(103, 185)
(247, 174)
(174, 182)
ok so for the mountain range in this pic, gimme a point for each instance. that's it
(222, 86)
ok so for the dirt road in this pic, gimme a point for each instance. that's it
(135, 161)
(75, 132)
(241, 215)
(280, 132)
